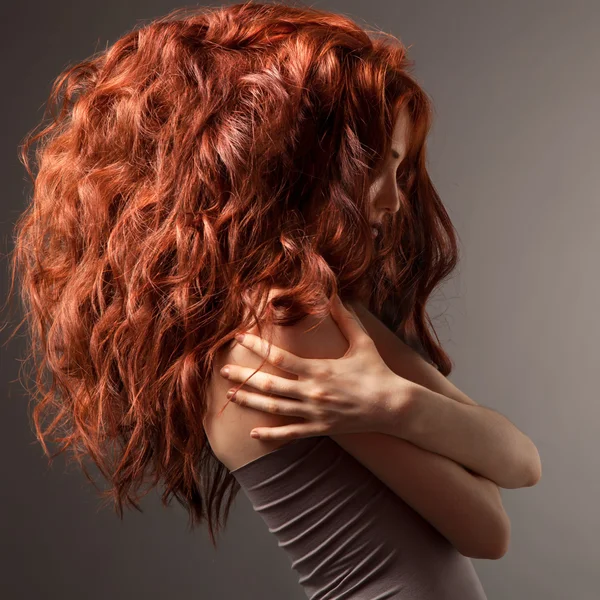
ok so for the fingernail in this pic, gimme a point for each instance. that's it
(254, 434)
(230, 393)
(225, 371)
(240, 337)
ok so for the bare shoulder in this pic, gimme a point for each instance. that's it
(229, 432)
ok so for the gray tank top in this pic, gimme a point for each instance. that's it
(347, 534)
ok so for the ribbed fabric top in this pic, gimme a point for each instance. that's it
(349, 536)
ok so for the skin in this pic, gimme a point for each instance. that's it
(364, 391)
(463, 507)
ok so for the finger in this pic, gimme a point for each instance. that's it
(348, 322)
(278, 357)
(274, 406)
(266, 382)
(288, 432)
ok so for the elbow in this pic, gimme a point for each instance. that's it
(536, 472)
(496, 542)
(530, 473)
(533, 467)
(494, 551)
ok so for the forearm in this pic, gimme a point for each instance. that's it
(464, 507)
(474, 436)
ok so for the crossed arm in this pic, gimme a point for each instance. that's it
(443, 419)
(463, 505)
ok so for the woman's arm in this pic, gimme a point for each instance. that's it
(477, 437)
(463, 507)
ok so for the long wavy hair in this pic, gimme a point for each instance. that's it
(183, 172)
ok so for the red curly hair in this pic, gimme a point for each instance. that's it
(208, 154)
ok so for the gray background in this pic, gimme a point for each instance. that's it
(514, 154)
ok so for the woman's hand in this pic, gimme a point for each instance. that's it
(346, 395)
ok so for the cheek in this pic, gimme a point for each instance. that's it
(374, 190)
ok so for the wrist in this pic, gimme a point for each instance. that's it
(403, 402)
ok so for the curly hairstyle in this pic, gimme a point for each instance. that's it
(182, 173)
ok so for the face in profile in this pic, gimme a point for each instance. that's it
(385, 191)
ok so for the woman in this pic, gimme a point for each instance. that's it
(216, 171)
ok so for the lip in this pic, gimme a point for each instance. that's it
(376, 229)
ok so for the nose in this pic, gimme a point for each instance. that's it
(389, 197)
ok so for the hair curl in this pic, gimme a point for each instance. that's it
(208, 154)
